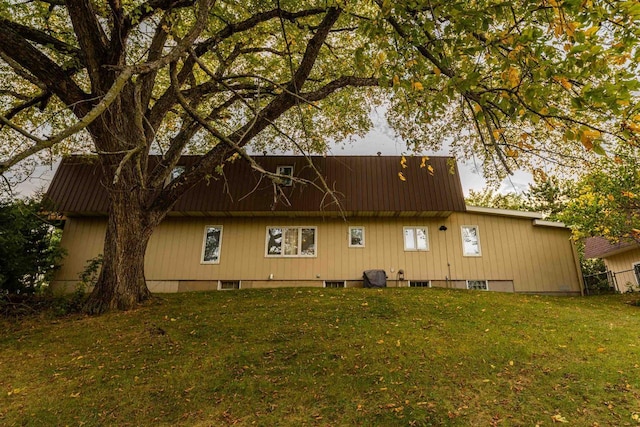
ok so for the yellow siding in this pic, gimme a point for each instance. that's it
(622, 265)
(514, 254)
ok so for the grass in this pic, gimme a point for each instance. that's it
(328, 357)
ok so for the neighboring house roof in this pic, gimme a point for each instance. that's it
(599, 247)
(365, 185)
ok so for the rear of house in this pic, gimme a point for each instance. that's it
(418, 230)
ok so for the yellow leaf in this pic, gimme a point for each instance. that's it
(403, 162)
(437, 71)
(510, 152)
(380, 341)
(633, 126)
(559, 419)
(430, 169)
(401, 176)
(423, 164)
(417, 86)
(591, 30)
(14, 391)
(629, 194)
(396, 80)
(610, 197)
(564, 82)
(510, 362)
(477, 108)
(511, 76)
(601, 350)
(74, 395)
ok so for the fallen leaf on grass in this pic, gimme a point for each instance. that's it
(559, 419)
(15, 391)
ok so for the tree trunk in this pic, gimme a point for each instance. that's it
(121, 284)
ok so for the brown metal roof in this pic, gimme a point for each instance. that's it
(365, 185)
(599, 247)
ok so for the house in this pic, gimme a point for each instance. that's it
(404, 216)
(621, 258)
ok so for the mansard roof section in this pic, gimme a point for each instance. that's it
(363, 186)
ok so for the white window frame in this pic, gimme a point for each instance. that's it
(204, 245)
(486, 283)
(471, 254)
(415, 237)
(357, 227)
(344, 283)
(420, 281)
(232, 289)
(289, 227)
(633, 266)
(282, 170)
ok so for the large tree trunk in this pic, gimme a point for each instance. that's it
(121, 284)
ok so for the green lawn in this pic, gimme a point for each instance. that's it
(329, 357)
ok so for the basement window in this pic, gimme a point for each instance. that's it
(224, 285)
(416, 239)
(419, 283)
(481, 285)
(291, 242)
(211, 244)
(288, 171)
(334, 284)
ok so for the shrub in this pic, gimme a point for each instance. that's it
(30, 249)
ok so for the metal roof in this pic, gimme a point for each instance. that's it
(364, 185)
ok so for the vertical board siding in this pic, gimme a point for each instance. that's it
(82, 239)
(621, 264)
(534, 259)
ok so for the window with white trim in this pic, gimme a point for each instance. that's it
(416, 239)
(211, 244)
(288, 171)
(356, 237)
(420, 283)
(470, 240)
(291, 242)
(482, 285)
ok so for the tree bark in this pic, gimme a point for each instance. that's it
(121, 284)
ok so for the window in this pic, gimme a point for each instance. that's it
(419, 284)
(470, 240)
(636, 270)
(291, 242)
(356, 237)
(334, 284)
(478, 285)
(228, 284)
(285, 170)
(175, 173)
(416, 239)
(211, 244)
